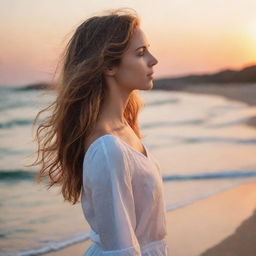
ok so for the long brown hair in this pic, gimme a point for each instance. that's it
(98, 42)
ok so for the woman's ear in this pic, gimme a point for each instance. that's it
(109, 71)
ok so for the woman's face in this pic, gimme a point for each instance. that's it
(136, 64)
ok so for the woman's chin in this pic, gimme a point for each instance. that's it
(149, 85)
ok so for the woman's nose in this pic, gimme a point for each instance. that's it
(154, 61)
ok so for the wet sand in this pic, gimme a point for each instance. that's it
(223, 224)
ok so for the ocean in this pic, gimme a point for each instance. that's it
(202, 143)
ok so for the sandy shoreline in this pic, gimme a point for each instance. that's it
(240, 243)
(223, 224)
(245, 93)
(238, 92)
(203, 227)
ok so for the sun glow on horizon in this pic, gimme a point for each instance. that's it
(251, 30)
(192, 38)
(251, 37)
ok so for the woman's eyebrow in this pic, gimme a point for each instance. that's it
(144, 47)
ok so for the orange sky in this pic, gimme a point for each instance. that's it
(186, 36)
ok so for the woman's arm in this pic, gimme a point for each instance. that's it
(108, 176)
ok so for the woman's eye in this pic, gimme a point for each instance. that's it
(141, 53)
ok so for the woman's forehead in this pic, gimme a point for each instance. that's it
(139, 40)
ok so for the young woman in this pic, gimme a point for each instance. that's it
(91, 146)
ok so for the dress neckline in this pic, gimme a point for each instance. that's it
(125, 143)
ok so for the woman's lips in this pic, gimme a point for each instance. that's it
(150, 75)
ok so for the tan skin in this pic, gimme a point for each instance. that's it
(131, 74)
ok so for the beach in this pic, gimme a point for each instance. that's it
(216, 226)
(195, 134)
(195, 116)
(223, 224)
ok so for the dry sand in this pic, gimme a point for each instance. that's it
(223, 224)
(213, 226)
(241, 242)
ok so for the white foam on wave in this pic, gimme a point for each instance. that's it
(50, 247)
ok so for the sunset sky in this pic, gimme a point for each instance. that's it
(186, 36)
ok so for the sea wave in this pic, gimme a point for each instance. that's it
(214, 175)
(52, 246)
(16, 175)
(15, 122)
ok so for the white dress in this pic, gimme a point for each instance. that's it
(123, 201)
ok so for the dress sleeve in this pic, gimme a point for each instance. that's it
(109, 181)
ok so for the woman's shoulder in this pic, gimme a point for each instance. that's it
(105, 156)
(104, 144)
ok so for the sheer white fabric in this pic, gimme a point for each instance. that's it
(122, 200)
